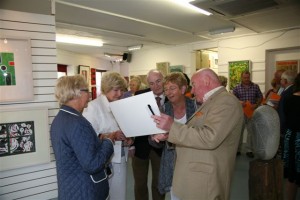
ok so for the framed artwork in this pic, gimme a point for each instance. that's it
(288, 64)
(235, 70)
(163, 67)
(93, 76)
(85, 71)
(16, 80)
(176, 68)
(94, 92)
(24, 138)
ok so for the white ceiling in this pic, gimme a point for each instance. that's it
(154, 23)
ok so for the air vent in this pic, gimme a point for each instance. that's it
(235, 7)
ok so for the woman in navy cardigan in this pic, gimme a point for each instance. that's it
(81, 157)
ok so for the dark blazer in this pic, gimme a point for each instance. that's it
(142, 146)
(284, 95)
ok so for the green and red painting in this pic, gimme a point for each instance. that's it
(7, 69)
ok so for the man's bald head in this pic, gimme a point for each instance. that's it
(203, 81)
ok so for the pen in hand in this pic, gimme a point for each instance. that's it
(151, 109)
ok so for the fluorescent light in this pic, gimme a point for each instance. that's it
(136, 47)
(186, 3)
(73, 39)
(107, 55)
(114, 57)
(222, 30)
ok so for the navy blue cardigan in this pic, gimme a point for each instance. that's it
(80, 157)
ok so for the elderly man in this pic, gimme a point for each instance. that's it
(206, 145)
(277, 77)
(287, 83)
(144, 152)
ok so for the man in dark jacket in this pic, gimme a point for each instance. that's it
(144, 152)
(287, 82)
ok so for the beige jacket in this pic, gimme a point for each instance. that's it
(206, 149)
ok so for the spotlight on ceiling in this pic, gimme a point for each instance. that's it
(136, 47)
(73, 39)
(221, 30)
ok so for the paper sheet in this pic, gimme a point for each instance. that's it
(117, 152)
(134, 116)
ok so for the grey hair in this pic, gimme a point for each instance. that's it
(111, 80)
(68, 88)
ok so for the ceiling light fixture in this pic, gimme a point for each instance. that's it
(114, 57)
(136, 47)
(221, 30)
(186, 3)
(107, 55)
(73, 39)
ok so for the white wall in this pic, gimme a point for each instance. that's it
(36, 181)
(73, 60)
(144, 60)
(251, 48)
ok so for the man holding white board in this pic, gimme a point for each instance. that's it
(144, 152)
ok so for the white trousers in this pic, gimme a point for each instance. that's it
(173, 196)
(117, 183)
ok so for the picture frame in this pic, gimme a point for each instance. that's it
(38, 118)
(93, 92)
(163, 67)
(16, 78)
(235, 70)
(93, 76)
(85, 71)
(176, 68)
(293, 65)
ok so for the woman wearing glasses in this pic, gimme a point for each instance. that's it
(81, 158)
(181, 108)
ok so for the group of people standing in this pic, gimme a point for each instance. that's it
(286, 86)
(193, 160)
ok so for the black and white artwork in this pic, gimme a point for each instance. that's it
(17, 138)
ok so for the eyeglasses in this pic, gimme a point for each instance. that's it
(84, 90)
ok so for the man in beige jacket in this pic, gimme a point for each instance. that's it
(206, 145)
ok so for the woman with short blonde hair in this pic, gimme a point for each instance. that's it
(100, 116)
(134, 85)
(177, 78)
(181, 108)
(112, 80)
